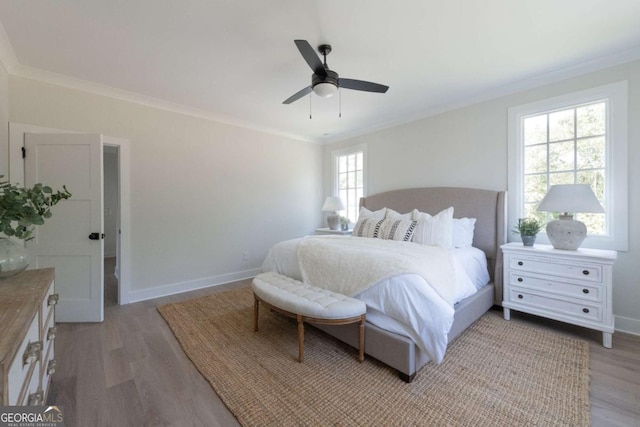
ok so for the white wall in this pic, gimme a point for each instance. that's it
(202, 192)
(468, 147)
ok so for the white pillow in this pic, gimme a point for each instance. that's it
(462, 232)
(396, 229)
(366, 213)
(434, 230)
(391, 214)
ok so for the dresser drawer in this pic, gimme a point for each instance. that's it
(576, 310)
(25, 363)
(48, 305)
(32, 389)
(588, 291)
(48, 368)
(574, 270)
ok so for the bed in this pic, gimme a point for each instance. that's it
(388, 343)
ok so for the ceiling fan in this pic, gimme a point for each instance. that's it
(325, 82)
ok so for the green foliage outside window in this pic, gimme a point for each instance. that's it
(565, 147)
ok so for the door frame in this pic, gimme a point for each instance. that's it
(16, 176)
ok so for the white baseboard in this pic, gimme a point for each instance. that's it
(628, 325)
(190, 285)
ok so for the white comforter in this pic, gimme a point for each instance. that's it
(404, 296)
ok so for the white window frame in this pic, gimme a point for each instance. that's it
(616, 186)
(335, 191)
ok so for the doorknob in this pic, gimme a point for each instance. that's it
(96, 236)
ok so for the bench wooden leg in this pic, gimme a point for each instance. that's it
(256, 308)
(300, 338)
(361, 350)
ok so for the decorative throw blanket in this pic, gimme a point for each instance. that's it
(351, 265)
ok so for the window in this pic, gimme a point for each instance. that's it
(349, 178)
(578, 138)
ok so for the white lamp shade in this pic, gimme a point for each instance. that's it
(575, 198)
(333, 204)
(325, 90)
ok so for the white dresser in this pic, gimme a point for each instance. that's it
(570, 286)
(27, 336)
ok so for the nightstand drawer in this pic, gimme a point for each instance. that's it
(579, 311)
(589, 292)
(574, 270)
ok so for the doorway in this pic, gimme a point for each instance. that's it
(122, 265)
(111, 197)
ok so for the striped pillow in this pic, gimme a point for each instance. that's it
(396, 229)
(367, 227)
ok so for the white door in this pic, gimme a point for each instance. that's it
(63, 242)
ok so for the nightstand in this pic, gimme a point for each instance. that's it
(570, 286)
(338, 232)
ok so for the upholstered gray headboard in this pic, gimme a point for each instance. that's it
(488, 206)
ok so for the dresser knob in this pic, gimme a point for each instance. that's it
(520, 263)
(53, 299)
(51, 367)
(585, 310)
(519, 279)
(585, 291)
(35, 399)
(32, 353)
(520, 296)
(585, 272)
(51, 334)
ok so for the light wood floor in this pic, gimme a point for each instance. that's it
(130, 370)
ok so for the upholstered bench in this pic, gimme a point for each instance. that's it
(307, 303)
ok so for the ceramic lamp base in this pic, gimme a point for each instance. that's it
(566, 233)
(333, 220)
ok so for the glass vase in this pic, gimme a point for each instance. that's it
(14, 258)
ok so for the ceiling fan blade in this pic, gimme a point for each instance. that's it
(298, 95)
(362, 85)
(309, 55)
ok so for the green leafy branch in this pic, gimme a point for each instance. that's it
(23, 208)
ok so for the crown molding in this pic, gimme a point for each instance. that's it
(124, 95)
(601, 63)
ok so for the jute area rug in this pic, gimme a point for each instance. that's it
(497, 373)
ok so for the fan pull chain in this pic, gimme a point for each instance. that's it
(339, 103)
(310, 107)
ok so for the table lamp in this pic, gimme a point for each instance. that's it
(565, 232)
(333, 204)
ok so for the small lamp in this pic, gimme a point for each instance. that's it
(567, 233)
(333, 204)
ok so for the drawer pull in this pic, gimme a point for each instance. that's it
(35, 399)
(585, 310)
(520, 263)
(51, 334)
(519, 279)
(32, 353)
(520, 296)
(585, 291)
(585, 272)
(51, 367)
(53, 299)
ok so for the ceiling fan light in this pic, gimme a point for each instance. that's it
(325, 90)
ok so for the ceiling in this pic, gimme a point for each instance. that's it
(235, 61)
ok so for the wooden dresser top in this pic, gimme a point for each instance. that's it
(20, 298)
